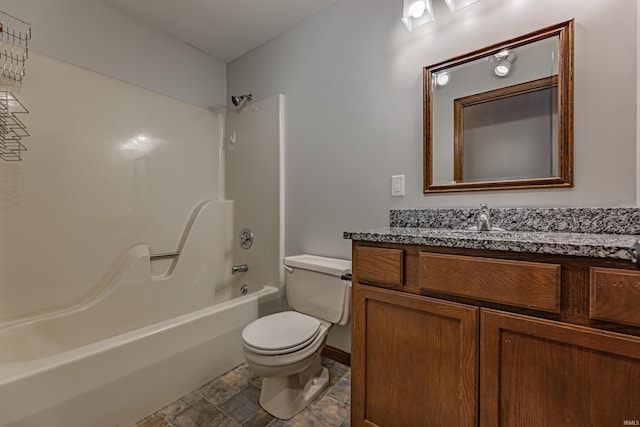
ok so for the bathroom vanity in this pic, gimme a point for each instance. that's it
(466, 328)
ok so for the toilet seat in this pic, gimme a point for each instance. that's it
(281, 333)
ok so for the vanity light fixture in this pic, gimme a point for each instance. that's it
(502, 54)
(503, 67)
(456, 5)
(416, 13)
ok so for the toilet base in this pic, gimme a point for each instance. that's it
(284, 397)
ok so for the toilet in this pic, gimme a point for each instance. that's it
(284, 348)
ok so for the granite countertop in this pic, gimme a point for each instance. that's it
(588, 232)
(614, 246)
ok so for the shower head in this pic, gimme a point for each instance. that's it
(242, 99)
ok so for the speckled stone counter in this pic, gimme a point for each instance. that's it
(564, 220)
(606, 232)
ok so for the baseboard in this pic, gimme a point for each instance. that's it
(337, 355)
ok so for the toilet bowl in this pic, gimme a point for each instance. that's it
(285, 348)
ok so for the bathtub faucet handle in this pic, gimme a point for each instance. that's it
(239, 268)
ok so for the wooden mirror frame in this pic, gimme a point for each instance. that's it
(564, 31)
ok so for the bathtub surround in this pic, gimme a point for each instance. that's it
(93, 329)
(199, 277)
(113, 175)
(106, 170)
(253, 155)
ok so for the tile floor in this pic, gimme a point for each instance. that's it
(232, 400)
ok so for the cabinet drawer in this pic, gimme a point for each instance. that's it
(614, 295)
(520, 283)
(379, 266)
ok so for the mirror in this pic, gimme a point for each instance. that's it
(502, 117)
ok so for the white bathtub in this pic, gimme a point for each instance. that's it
(117, 381)
(140, 340)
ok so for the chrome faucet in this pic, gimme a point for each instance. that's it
(239, 268)
(484, 220)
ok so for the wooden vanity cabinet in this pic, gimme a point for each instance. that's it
(414, 360)
(527, 284)
(536, 372)
(432, 351)
(380, 266)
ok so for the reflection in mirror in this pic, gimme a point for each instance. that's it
(501, 117)
(507, 133)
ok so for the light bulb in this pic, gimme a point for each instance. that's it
(442, 79)
(504, 67)
(502, 70)
(417, 8)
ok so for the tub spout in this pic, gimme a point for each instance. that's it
(239, 268)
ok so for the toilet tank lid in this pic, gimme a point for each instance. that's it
(333, 266)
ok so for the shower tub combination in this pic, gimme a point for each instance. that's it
(138, 341)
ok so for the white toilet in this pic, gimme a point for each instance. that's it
(284, 348)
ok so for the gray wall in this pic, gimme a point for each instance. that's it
(96, 36)
(352, 76)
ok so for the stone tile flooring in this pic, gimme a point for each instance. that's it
(232, 400)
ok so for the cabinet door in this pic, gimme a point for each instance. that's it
(414, 360)
(538, 372)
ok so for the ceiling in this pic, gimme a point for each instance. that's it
(224, 29)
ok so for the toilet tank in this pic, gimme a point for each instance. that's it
(315, 287)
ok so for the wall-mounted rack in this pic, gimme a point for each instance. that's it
(12, 130)
(14, 46)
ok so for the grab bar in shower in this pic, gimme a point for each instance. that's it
(164, 255)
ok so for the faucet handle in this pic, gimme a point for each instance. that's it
(483, 218)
